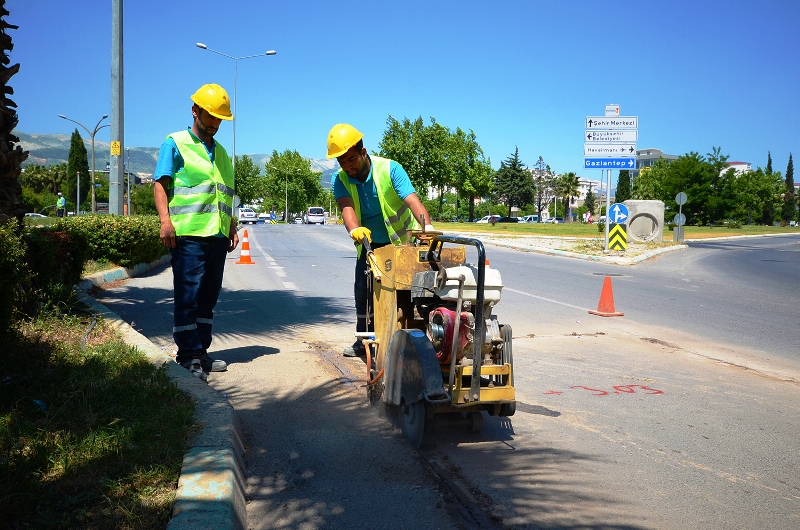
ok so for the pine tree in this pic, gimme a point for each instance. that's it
(78, 161)
(789, 211)
(769, 163)
(623, 192)
(11, 155)
(513, 182)
(589, 200)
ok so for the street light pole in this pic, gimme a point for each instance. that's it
(90, 133)
(235, 75)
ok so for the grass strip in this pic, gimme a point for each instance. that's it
(89, 438)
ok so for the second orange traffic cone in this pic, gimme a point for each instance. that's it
(606, 306)
(244, 256)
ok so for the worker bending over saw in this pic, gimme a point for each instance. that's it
(378, 203)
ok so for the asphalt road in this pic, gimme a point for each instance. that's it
(663, 418)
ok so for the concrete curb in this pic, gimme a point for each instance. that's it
(211, 488)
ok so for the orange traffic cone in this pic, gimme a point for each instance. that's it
(606, 306)
(244, 256)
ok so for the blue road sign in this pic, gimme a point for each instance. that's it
(619, 213)
(609, 163)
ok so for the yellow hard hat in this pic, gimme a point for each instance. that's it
(342, 137)
(214, 100)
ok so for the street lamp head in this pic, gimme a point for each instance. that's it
(104, 116)
(201, 45)
(271, 52)
(62, 116)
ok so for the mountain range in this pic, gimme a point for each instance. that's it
(51, 149)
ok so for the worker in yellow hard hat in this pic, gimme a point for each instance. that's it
(378, 203)
(194, 188)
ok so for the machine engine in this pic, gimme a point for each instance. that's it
(435, 297)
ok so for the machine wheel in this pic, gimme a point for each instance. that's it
(507, 409)
(475, 421)
(412, 421)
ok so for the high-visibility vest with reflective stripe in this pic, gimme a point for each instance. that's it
(201, 194)
(396, 214)
(62, 202)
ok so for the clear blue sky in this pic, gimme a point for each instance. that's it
(519, 73)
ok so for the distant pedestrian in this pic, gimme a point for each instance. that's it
(61, 205)
(194, 197)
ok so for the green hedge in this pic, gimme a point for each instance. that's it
(124, 241)
(42, 266)
(13, 275)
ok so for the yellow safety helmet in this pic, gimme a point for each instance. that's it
(214, 100)
(342, 137)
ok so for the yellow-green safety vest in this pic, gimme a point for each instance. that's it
(396, 214)
(201, 194)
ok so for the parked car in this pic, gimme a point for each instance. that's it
(505, 219)
(488, 219)
(558, 220)
(247, 215)
(529, 219)
(314, 215)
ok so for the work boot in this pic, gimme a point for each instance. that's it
(212, 365)
(356, 350)
(196, 369)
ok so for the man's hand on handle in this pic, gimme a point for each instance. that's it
(360, 233)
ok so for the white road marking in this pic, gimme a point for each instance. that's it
(545, 299)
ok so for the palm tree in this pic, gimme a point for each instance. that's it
(570, 188)
(12, 155)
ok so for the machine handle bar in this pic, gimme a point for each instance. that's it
(434, 255)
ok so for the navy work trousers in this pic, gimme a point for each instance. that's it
(197, 267)
(361, 292)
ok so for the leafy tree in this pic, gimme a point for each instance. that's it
(142, 200)
(755, 193)
(471, 171)
(690, 174)
(623, 192)
(788, 211)
(589, 200)
(249, 184)
(404, 142)
(289, 174)
(434, 156)
(543, 180)
(648, 185)
(78, 161)
(721, 200)
(513, 184)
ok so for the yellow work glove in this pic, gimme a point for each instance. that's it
(360, 233)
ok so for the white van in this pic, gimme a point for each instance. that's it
(314, 215)
(529, 219)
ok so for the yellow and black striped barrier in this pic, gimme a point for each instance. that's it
(617, 237)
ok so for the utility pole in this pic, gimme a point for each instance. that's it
(116, 191)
